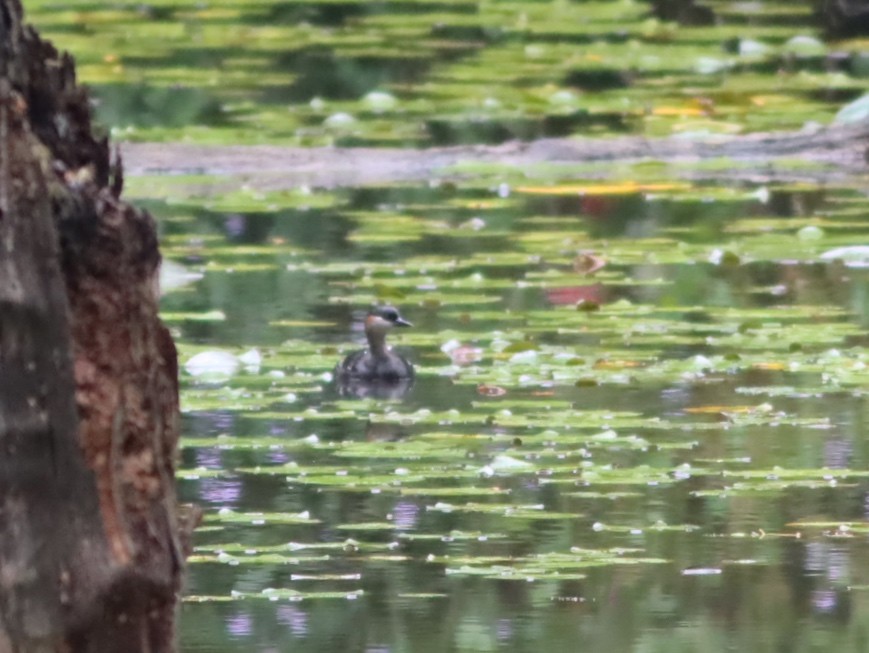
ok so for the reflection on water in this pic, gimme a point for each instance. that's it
(374, 388)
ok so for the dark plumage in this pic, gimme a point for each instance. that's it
(378, 363)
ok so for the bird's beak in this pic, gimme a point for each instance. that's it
(402, 322)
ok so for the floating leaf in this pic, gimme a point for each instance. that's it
(624, 188)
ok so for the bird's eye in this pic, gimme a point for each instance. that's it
(390, 314)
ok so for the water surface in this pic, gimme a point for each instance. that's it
(639, 416)
(665, 451)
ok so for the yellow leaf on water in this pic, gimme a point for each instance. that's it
(714, 410)
(775, 366)
(622, 188)
(680, 111)
(770, 100)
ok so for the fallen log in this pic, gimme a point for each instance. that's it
(837, 152)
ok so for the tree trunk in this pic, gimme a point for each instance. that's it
(90, 551)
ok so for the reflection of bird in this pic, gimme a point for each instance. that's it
(378, 364)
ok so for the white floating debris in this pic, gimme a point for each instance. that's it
(214, 366)
(711, 65)
(803, 45)
(380, 101)
(252, 360)
(702, 571)
(855, 256)
(701, 362)
(340, 119)
(752, 48)
(853, 112)
(504, 464)
(524, 357)
(720, 256)
(810, 232)
(450, 345)
(174, 275)
(762, 195)
(474, 224)
(563, 97)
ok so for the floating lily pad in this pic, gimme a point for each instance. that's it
(227, 516)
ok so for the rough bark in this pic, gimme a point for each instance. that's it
(90, 553)
(843, 18)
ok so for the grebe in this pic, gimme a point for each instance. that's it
(378, 363)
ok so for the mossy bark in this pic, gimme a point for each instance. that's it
(90, 545)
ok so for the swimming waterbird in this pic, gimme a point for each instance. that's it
(378, 363)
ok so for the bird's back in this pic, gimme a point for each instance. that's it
(366, 366)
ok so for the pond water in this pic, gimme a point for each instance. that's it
(639, 416)
(663, 453)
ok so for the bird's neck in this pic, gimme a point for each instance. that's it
(377, 343)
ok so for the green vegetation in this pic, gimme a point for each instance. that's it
(414, 72)
(643, 398)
